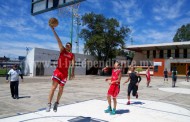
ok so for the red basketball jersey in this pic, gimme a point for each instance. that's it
(64, 60)
(115, 74)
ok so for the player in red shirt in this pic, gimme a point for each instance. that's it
(148, 76)
(60, 74)
(114, 88)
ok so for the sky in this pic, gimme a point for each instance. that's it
(150, 21)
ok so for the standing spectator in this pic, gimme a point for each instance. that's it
(174, 76)
(165, 74)
(148, 76)
(188, 75)
(14, 74)
(105, 70)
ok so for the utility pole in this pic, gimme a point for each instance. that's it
(131, 41)
(27, 50)
(77, 32)
(72, 28)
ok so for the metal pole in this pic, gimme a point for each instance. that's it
(77, 39)
(72, 29)
(70, 70)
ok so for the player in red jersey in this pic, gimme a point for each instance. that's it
(148, 76)
(114, 88)
(61, 72)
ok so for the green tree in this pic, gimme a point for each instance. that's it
(182, 34)
(103, 36)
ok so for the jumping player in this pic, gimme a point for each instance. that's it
(60, 74)
(134, 79)
(114, 88)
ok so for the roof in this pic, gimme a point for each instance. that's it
(163, 46)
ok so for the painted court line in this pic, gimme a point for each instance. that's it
(93, 111)
(176, 90)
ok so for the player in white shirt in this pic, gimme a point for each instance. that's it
(14, 74)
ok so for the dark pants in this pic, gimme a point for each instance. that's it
(174, 79)
(132, 87)
(14, 88)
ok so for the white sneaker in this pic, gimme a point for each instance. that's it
(48, 107)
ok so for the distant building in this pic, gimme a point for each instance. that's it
(42, 62)
(161, 56)
(3, 59)
(21, 58)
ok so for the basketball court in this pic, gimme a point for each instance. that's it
(93, 103)
(185, 83)
(92, 111)
(176, 90)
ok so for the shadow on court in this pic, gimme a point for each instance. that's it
(85, 119)
(24, 97)
(137, 103)
(122, 111)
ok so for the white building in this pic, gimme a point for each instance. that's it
(42, 62)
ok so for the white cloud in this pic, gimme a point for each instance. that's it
(17, 48)
(188, 13)
(158, 18)
(95, 4)
(167, 9)
(18, 24)
(5, 10)
(129, 10)
(151, 36)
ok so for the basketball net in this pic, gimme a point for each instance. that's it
(67, 11)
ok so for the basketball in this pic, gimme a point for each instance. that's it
(53, 22)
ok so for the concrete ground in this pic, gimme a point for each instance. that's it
(34, 92)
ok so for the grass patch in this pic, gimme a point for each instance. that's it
(3, 71)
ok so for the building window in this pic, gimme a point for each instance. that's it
(148, 54)
(155, 68)
(161, 53)
(168, 53)
(176, 53)
(184, 53)
(154, 53)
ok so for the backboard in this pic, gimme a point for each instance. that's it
(41, 6)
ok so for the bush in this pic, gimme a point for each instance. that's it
(139, 69)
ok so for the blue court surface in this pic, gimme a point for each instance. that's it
(93, 111)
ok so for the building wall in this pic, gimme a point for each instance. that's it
(82, 65)
(42, 62)
(45, 56)
(181, 63)
(172, 53)
(181, 53)
(138, 58)
(168, 62)
(29, 63)
(160, 68)
(165, 54)
(188, 53)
